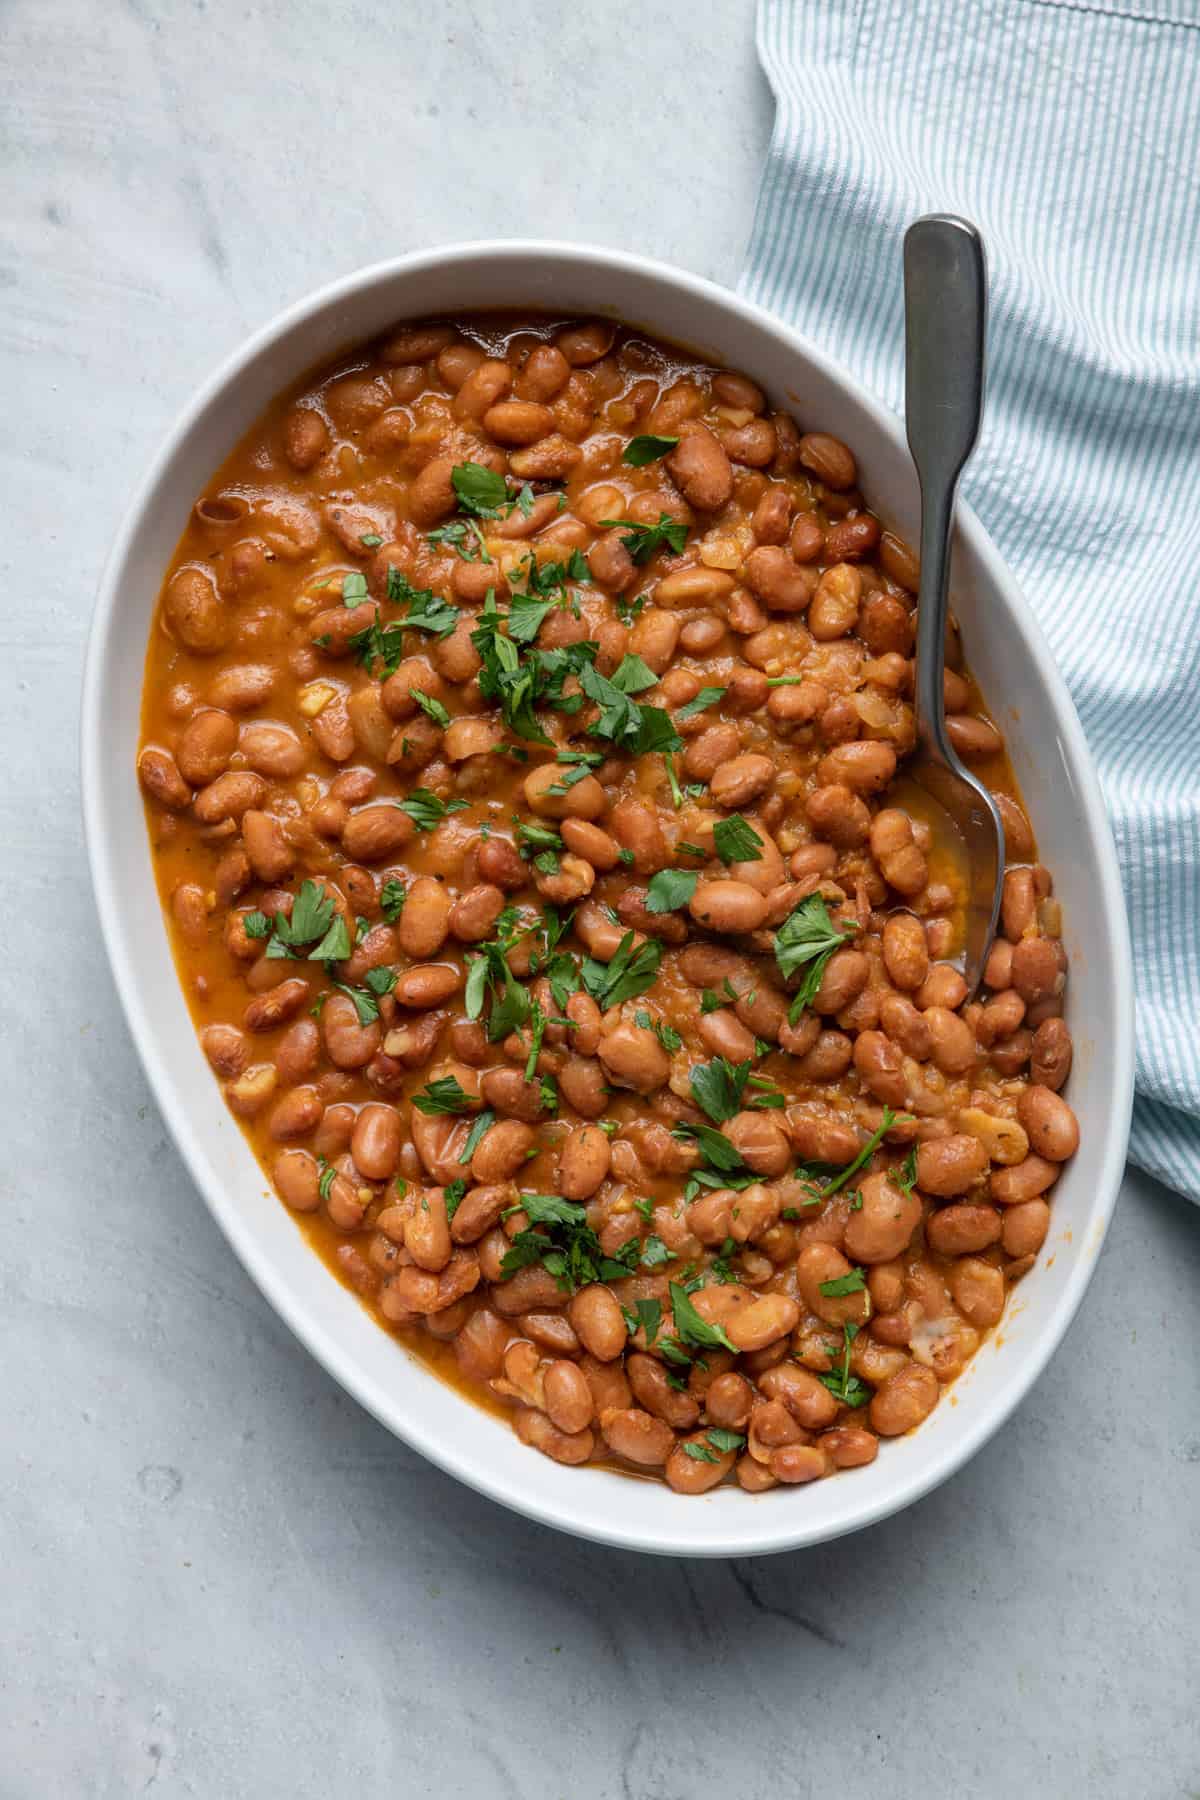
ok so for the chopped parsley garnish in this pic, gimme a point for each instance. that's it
(366, 999)
(905, 1177)
(690, 1328)
(736, 841)
(724, 1440)
(837, 1289)
(454, 1193)
(864, 1156)
(392, 896)
(655, 1253)
(670, 890)
(480, 491)
(717, 1087)
(635, 730)
(808, 936)
(629, 973)
(560, 1238)
(647, 447)
(709, 696)
(445, 1095)
(370, 540)
(433, 709)
(666, 1034)
(315, 932)
(426, 810)
(644, 1315)
(328, 1173)
(710, 1002)
(841, 1384)
(475, 1136)
(644, 541)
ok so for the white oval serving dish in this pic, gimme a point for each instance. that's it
(1006, 651)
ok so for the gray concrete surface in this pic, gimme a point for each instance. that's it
(220, 1578)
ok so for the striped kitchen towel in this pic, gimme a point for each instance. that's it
(1070, 133)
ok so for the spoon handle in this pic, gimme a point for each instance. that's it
(945, 312)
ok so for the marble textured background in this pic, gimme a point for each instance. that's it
(220, 1578)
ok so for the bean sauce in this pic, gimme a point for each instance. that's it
(523, 743)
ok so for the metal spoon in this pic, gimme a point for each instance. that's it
(945, 306)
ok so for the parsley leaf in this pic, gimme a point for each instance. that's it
(808, 936)
(480, 491)
(700, 1453)
(647, 447)
(670, 890)
(724, 1440)
(717, 1087)
(708, 696)
(690, 1328)
(629, 973)
(365, 1003)
(853, 1283)
(736, 841)
(655, 1253)
(633, 676)
(643, 541)
(433, 709)
(312, 918)
(482, 1124)
(561, 1239)
(445, 1095)
(426, 810)
(905, 1177)
(647, 1314)
(841, 1384)
(864, 1156)
(392, 896)
(455, 1193)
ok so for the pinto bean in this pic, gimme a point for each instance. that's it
(507, 1092)
(228, 797)
(427, 984)
(949, 1166)
(376, 1142)
(742, 780)
(865, 767)
(883, 1226)
(297, 1179)
(637, 1437)
(782, 584)
(978, 1291)
(160, 776)
(700, 468)
(634, 1058)
(1050, 1123)
(653, 1391)
(903, 1400)
(729, 906)
(582, 800)
(1050, 1059)
(763, 1322)
(583, 1162)
(963, 1229)
(807, 1400)
(596, 1315)
(1024, 1180)
(195, 612)
(375, 832)
(208, 741)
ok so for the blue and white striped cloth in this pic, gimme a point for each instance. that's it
(1070, 133)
